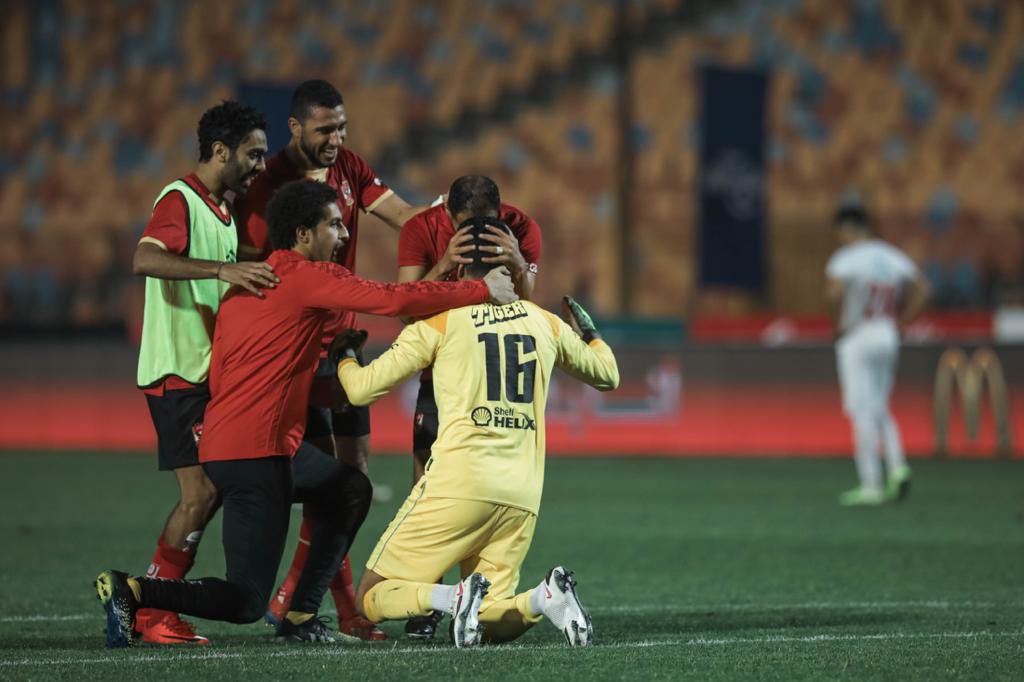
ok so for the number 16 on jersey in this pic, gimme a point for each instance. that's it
(519, 376)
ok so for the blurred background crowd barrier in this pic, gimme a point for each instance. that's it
(683, 158)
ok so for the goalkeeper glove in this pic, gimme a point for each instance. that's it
(579, 319)
(347, 344)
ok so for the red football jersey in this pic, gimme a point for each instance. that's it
(425, 237)
(265, 350)
(358, 188)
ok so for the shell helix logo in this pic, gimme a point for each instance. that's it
(481, 416)
(502, 418)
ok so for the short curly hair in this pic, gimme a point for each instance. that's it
(299, 203)
(230, 122)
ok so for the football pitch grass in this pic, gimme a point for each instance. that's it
(703, 569)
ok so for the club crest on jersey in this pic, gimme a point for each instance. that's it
(346, 193)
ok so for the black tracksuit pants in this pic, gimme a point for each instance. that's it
(257, 495)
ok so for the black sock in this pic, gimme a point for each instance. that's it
(210, 598)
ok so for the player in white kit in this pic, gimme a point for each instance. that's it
(874, 291)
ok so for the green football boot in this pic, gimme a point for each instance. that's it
(898, 486)
(862, 497)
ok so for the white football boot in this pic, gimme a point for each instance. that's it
(563, 607)
(466, 628)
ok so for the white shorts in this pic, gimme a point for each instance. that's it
(867, 357)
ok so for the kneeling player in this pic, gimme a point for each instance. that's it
(477, 502)
(430, 249)
(264, 355)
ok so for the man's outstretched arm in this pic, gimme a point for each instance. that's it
(413, 350)
(332, 287)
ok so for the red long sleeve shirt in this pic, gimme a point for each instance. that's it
(425, 237)
(265, 350)
(359, 190)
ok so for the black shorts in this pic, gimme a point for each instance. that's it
(424, 421)
(352, 422)
(178, 419)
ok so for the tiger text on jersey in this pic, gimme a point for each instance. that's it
(489, 314)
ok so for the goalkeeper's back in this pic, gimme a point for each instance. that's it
(492, 370)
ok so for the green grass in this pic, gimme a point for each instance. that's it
(704, 569)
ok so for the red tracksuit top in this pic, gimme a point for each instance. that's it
(265, 350)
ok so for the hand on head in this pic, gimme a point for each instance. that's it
(499, 284)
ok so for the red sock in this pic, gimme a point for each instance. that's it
(283, 597)
(344, 592)
(170, 563)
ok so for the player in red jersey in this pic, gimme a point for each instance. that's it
(187, 254)
(265, 352)
(318, 124)
(431, 249)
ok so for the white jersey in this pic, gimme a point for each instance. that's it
(874, 274)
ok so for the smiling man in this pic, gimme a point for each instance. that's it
(264, 357)
(187, 253)
(319, 125)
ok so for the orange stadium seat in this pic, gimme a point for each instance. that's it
(920, 106)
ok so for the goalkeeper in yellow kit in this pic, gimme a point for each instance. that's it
(477, 503)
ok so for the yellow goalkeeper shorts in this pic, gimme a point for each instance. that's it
(429, 535)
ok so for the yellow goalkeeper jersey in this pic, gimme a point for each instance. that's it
(492, 370)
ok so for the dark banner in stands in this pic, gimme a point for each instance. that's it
(274, 101)
(732, 182)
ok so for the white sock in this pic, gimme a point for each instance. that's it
(442, 598)
(892, 444)
(865, 437)
(539, 599)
